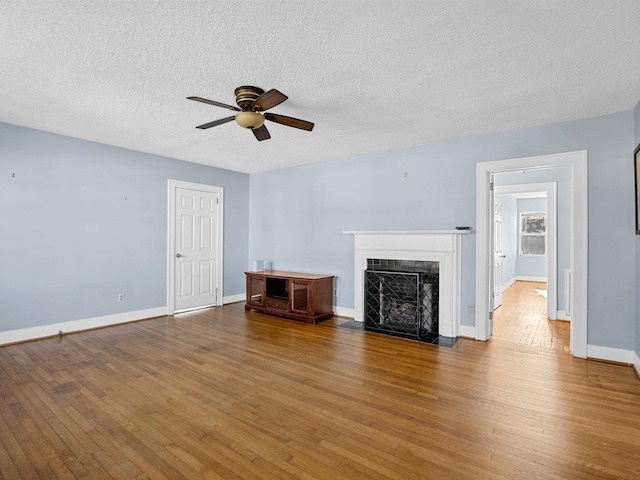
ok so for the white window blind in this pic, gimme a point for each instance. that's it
(533, 233)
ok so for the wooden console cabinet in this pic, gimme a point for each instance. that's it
(300, 296)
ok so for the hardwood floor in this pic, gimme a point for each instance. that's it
(522, 318)
(224, 394)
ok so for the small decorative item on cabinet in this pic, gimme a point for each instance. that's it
(305, 297)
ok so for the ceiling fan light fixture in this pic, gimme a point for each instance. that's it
(249, 119)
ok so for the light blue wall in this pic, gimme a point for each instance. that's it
(526, 265)
(297, 214)
(71, 242)
(509, 237)
(83, 222)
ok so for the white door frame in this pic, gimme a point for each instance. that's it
(577, 161)
(550, 189)
(171, 244)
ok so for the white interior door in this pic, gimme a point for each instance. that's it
(195, 247)
(490, 271)
(498, 250)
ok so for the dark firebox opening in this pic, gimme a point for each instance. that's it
(401, 298)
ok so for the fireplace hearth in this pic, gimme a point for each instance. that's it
(401, 298)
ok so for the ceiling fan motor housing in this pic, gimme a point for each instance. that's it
(246, 95)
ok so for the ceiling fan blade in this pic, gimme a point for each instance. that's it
(216, 122)
(261, 133)
(268, 100)
(211, 102)
(289, 121)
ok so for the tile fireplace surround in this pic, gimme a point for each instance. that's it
(442, 246)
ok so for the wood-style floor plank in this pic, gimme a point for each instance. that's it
(522, 318)
(223, 393)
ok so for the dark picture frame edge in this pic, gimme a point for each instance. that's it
(636, 167)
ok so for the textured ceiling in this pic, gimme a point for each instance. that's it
(372, 75)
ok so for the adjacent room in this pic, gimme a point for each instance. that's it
(324, 239)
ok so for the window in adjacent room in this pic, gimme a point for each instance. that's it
(533, 233)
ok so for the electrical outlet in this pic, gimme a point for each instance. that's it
(335, 292)
(472, 309)
(121, 298)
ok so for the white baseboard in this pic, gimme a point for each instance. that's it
(241, 297)
(611, 354)
(343, 311)
(562, 315)
(636, 363)
(527, 278)
(509, 283)
(467, 331)
(33, 333)
(524, 278)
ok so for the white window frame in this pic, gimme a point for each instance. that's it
(520, 234)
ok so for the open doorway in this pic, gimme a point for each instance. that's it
(528, 298)
(576, 243)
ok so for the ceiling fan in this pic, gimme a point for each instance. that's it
(252, 102)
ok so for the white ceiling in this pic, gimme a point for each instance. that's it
(372, 75)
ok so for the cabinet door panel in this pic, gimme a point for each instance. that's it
(301, 296)
(255, 291)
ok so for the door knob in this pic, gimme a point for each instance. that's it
(178, 255)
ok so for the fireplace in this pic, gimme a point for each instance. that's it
(440, 246)
(401, 298)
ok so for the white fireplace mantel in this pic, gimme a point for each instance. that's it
(443, 246)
